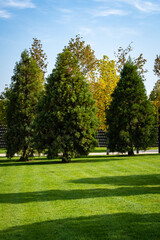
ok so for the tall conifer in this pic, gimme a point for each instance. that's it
(130, 118)
(21, 107)
(66, 120)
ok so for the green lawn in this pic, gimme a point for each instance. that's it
(100, 198)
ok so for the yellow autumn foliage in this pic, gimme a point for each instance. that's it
(103, 87)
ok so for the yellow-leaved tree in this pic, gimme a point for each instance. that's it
(103, 87)
(155, 93)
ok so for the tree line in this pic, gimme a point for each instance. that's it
(61, 113)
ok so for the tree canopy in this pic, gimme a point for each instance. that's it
(122, 56)
(87, 61)
(66, 121)
(130, 118)
(21, 107)
(103, 87)
(38, 54)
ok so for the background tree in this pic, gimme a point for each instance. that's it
(104, 87)
(122, 56)
(22, 101)
(38, 54)
(66, 120)
(155, 93)
(130, 118)
(3, 105)
(86, 58)
(157, 66)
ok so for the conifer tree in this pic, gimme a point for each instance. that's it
(21, 107)
(66, 120)
(38, 54)
(130, 118)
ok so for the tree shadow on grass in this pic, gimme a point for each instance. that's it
(4, 162)
(53, 195)
(120, 226)
(131, 180)
(37, 161)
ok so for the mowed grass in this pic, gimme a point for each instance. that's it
(95, 197)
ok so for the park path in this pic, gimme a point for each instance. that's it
(154, 151)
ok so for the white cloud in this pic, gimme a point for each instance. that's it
(141, 5)
(20, 4)
(17, 4)
(146, 6)
(4, 14)
(108, 12)
(13, 4)
(118, 33)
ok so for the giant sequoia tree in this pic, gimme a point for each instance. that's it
(66, 121)
(130, 118)
(21, 106)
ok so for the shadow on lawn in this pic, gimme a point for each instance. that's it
(52, 195)
(131, 180)
(4, 162)
(120, 226)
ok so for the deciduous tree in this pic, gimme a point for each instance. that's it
(87, 61)
(122, 56)
(104, 87)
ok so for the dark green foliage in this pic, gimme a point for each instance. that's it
(130, 118)
(66, 121)
(22, 100)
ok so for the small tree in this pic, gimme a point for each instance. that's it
(22, 100)
(130, 118)
(66, 120)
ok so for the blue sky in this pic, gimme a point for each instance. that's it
(104, 24)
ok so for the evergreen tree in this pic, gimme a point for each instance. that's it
(38, 54)
(66, 120)
(130, 118)
(21, 107)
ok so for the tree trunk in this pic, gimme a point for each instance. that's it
(24, 157)
(131, 153)
(66, 157)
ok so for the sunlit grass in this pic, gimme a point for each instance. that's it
(103, 197)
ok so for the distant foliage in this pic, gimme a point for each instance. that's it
(38, 54)
(87, 61)
(130, 118)
(155, 93)
(103, 88)
(157, 66)
(66, 121)
(21, 107)
(122, 56)
(3, 106)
